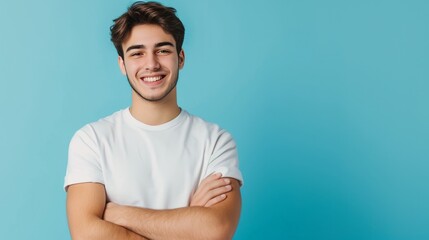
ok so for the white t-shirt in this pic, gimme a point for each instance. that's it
(157, 167)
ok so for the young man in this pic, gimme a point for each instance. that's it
(152, 171)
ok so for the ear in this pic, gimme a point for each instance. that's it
(121, 64)
(181, 59)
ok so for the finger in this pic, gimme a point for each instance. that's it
(205, 190)
(215, 193)
(208, 186)
(212, 177)
(215, 200)
(218, 191)
(211, 182)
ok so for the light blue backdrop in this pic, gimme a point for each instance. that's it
(328, 101)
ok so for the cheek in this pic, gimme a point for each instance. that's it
(172, 65)
(131, 68)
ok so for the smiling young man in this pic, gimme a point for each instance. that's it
(152, 171)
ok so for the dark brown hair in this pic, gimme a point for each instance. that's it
(147, 13)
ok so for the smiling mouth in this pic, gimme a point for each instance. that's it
(152, 79)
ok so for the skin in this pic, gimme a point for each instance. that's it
(151, 52)
(211, 191)
(91, 217)
(214, 209)
(218, 221)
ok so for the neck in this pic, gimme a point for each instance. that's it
(157, 112)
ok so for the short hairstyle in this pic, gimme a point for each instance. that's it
(147, 13)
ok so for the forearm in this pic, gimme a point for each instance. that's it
(85, 208)
(182, 223)
(98, 229)
(196, 222)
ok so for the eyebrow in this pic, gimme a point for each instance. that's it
(141, 46)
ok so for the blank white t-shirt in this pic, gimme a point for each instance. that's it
(157, 167)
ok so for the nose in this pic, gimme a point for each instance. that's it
(152, 63)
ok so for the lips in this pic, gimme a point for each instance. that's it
(152, 78)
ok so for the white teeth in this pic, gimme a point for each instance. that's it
(152, 79)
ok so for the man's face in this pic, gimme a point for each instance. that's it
(151, 62)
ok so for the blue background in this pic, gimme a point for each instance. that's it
(327, 100)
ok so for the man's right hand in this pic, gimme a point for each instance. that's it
(211, 191)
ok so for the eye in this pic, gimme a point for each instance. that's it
(136, 54)
(163, 52)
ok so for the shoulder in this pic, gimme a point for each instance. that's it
(103, 126)
(211, 130)
(201, 124)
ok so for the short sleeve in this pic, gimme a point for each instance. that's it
(224, 158)
(83, 159)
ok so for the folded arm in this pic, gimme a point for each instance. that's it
(200, 221)
(85, 206)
